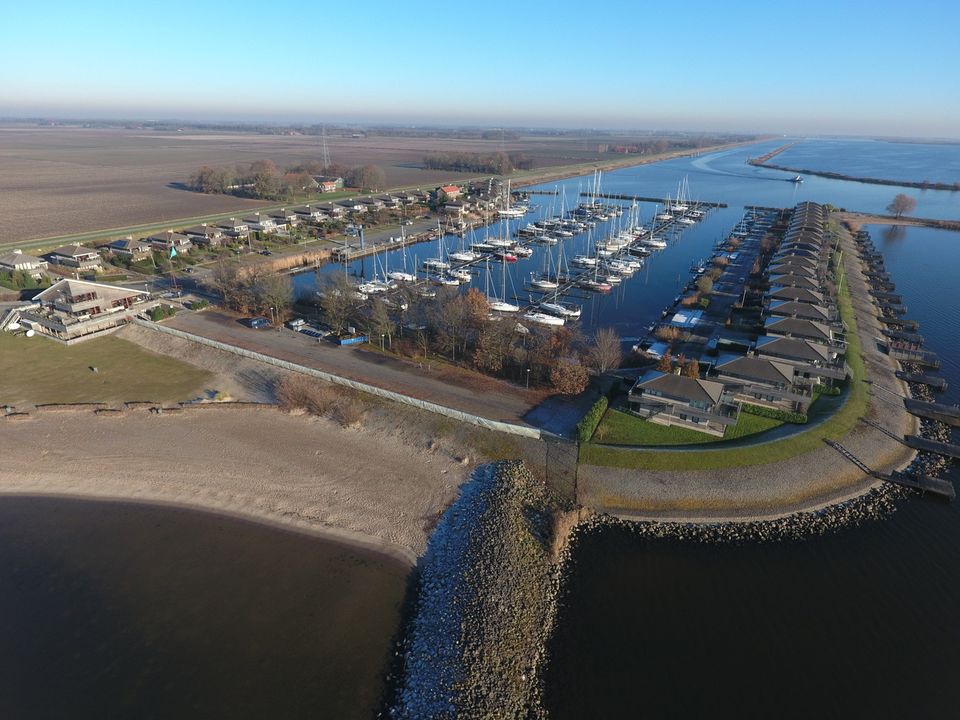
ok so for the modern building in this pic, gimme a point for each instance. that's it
(76, 256)
(673, 399)
(19, 262)
(130, 248)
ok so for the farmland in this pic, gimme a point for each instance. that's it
(65, 180)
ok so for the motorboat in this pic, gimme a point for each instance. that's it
(543, 319)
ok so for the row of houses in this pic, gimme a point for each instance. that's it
(800, 353)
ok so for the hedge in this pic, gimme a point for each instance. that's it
(775, 413)
(588, 423)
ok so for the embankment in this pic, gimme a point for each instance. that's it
(923, 185)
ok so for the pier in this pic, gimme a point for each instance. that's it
(931, 381)
(923, 483)
(907, 352)
(900, 322)
(935, 446)
(947, 414)
(903, 336)
(659, 201)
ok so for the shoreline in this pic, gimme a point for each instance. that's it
(924, 185)
(343, 537)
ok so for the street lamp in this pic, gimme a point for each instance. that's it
(528, 378)
(381, 342)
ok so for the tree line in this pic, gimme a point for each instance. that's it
(498, 163)
(263, 180)
(458, 327)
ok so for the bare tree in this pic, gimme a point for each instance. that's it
(379, 322)
(902, 204)
(692, 369)
(336, 301)
(606, 352)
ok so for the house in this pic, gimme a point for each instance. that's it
(372, 203)
(448, 192)
(814, 361)
(234, 228)
(170, 240)
(802, 310)
(454, 208)
(127, 247)
(763, 381)
(333, 210)
(673, 399)
(794, 266)
(353, 206)
(287, 218)
(389, 200)
(805, 329)
(259, 222)
(73, 309)
(328, 183)
(75, 256)
(795, 294)
(205, 234)
(18, 262)
(793, 280)
(306, 213)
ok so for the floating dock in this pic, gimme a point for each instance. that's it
(903, 336)
(640, 198)
(923, 483)
(906, 352)
(900, 322)
(948, 414)
(932, 381)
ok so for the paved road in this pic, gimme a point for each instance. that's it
(507, 404)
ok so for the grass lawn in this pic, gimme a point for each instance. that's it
(620, 428)
(38, 370)
(835, 428)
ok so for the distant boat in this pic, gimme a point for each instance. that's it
(797, 179)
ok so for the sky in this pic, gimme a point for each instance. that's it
(798, 68)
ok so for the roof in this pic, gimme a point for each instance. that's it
(73, 251)
(167, 236)
(128, 244)
(796, 348)
(799, 309)
(17, 258)
(681, 387)
(68, 288)
(686, 318)
(798, 327)
(797, 294)
(793, 280)
(759, 369)
(203, 230)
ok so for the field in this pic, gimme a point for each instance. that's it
(57, 181)
(39, 371)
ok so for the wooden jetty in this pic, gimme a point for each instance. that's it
(948, 414)
(924, 483)
(907, 352)
(900, 322)
(886, 296)
(881, 285)
(931, 381)
(903, 336)
(934, 446)
(640, 198)
(895, 308)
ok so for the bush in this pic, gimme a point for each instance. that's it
(161, 312)
(298, 392)
(199, 305)
(775, 413)
(588, 423)
(349, 412)
(830, 391)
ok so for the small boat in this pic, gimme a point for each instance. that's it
(435, 264)
(463, 276)
(544, 284)
(505, 256)
(482, 247)
(687, 221)
(564, 310)
(594, 285)
(655, 242)
(500, 242)
(584, 261)
(521, 251)
(446, 281)
(464, 256)
(543, 319)
(797, 179)
(401, 276)
(547, 240)
(502, 306)
(612, 279)
(373, 287)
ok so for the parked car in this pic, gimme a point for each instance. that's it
(257, 322)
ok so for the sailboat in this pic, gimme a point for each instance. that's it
(507, 211)
(402, 275)
(499, 304)
(545, 281)
(437, 263)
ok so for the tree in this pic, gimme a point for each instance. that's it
(665, 365)
(366, 177)
(569, 377)
(336, 301)
(692, 369)
(270, 290)
(606, 352)
(493, 346)
(378, 320)
(902, 204)
(705, 284)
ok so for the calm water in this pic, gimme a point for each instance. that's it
(857, 624)
(914, 162)
(114, 610)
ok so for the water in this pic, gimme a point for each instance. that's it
(717, 177)
(856, 624)
(122, 610)
(913, 162)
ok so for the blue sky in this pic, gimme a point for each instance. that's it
(800, 67)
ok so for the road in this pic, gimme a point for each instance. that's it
(491, 399)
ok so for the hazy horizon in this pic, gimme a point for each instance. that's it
(825, 70)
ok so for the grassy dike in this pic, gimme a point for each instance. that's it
(835, 428)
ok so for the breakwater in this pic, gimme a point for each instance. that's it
(475, 642)
(923, 185)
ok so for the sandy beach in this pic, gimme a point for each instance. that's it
(362, 486)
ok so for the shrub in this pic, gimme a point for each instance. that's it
(588, 423)
(199, 305)
(298, 392)
(775, 413)
(161, 312)
(349, 412)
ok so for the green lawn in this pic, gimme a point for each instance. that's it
(835, 428)
(620, 428)
(39, 370)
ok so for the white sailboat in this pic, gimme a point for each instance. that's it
(402, 275)
(497, 304)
